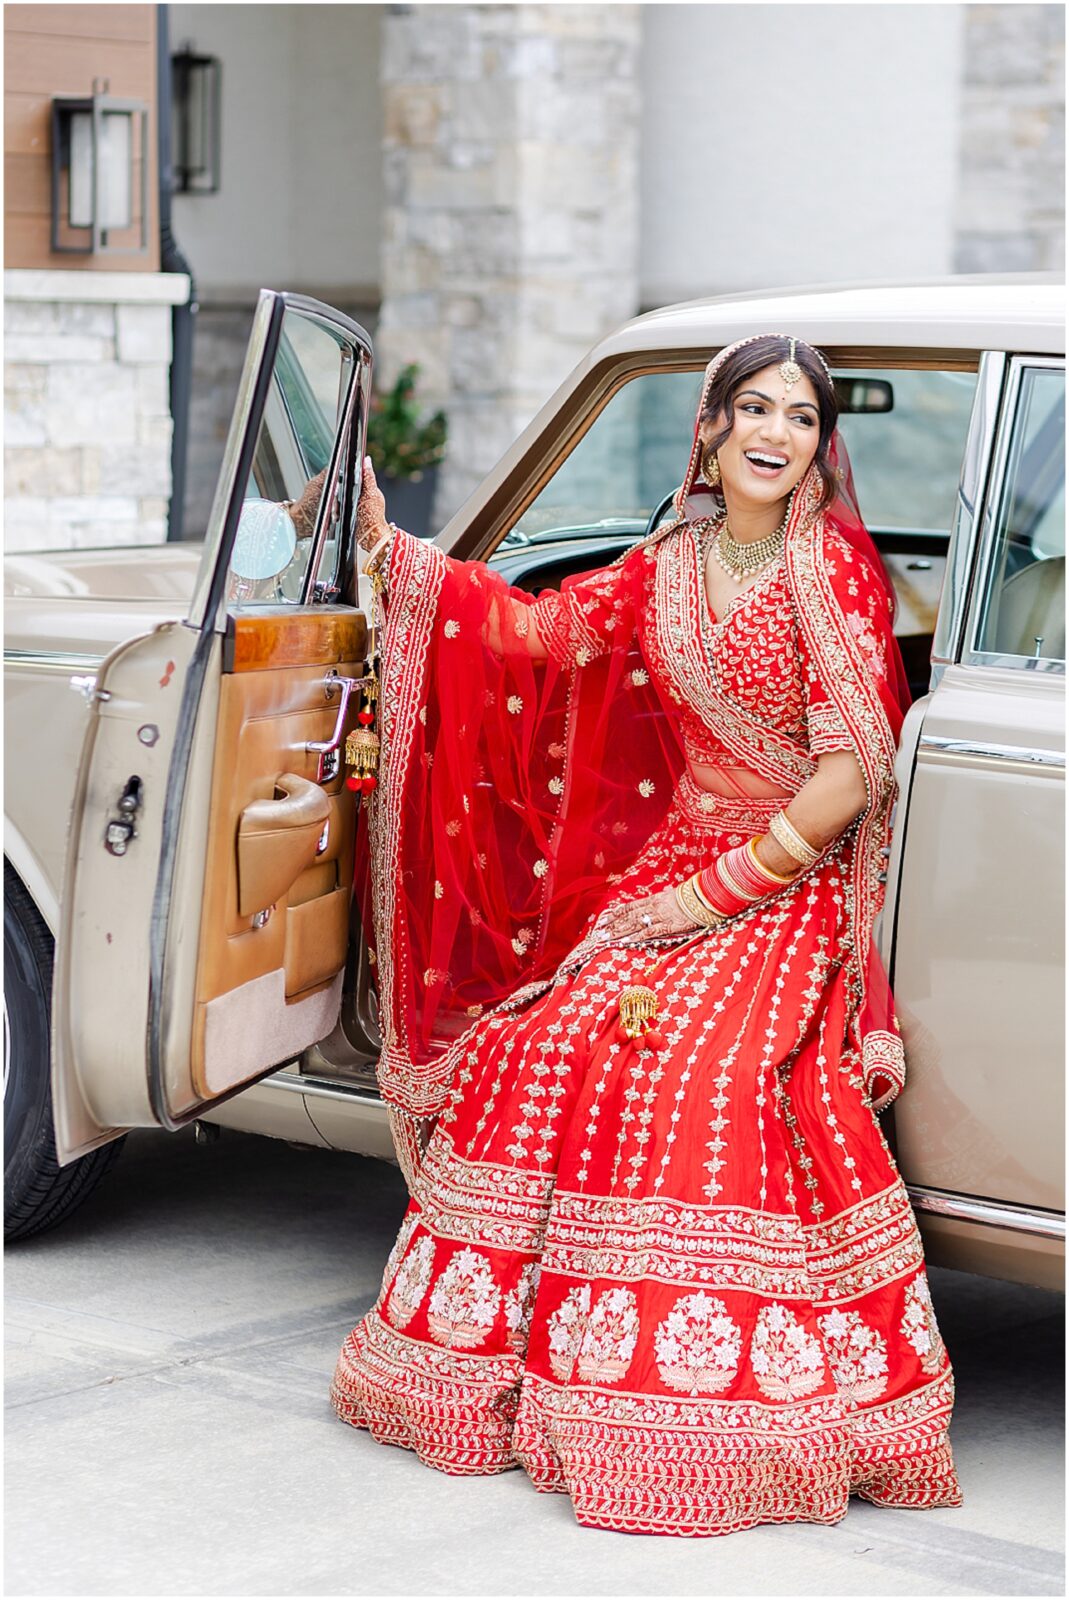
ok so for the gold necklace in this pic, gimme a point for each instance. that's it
(743, 560)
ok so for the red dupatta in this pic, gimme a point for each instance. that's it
(512, 793)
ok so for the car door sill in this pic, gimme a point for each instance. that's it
(993, 1214)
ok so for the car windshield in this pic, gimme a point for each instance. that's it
(906, 459)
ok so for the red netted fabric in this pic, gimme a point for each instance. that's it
(512, 790)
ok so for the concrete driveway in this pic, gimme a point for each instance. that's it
(168, 1429)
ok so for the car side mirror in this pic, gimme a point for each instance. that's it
(265, 540)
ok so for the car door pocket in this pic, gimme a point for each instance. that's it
(277, 840)
(317, 940)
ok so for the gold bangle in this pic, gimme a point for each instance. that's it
(694, 908)
(773, 877)
(786, 834)
(706, 902)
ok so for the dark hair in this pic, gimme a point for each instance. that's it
(772, 348)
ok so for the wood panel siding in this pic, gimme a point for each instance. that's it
(59, 50)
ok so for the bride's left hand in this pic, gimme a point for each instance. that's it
(652, 915)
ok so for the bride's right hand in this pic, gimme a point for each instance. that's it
(371, 521)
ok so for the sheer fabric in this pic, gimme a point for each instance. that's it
(684, 1287)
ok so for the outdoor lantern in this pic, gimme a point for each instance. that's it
(196, 83)
(100, 174)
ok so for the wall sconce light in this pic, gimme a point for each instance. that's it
(196, 93)
(99, 162)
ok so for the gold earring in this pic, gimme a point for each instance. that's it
(710, 467)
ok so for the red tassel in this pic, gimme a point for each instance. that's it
(353, 782)
(368, 782)
(365, 717)
(653, 1039)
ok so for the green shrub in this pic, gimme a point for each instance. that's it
(399, 443)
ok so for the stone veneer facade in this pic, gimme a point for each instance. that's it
(1011, 211)
(510, 227)
(87, 415)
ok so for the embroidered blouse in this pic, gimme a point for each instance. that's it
(754, 654)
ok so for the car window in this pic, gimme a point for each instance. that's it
(631, 456)
(281, 502)
(1020, 612)
(906, 461)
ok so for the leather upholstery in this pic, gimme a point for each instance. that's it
(268, 710)
(277, 839)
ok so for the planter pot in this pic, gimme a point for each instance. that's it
(410, 501)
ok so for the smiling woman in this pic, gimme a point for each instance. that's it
(621, 872)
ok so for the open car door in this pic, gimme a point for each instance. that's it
(206, 904)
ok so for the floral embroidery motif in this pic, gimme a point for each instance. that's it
(646, 787)
(698, 1345)
(556, 785)
(787, 1361)
(857, 1354)
(519, 1305)
(566, 1327)
(919, 1326)
(452, 628)
(515, 704)
(541, 867)
(640, 676)
(411, 1282)
(400, 1245)
(609, 1338)
(464, 1301)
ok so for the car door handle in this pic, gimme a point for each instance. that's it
(331, 682)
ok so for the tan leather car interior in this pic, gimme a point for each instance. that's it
(277, 839)
(1030, 606)
(274, 935)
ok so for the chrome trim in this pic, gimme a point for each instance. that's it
(961, 551)
(324, 1089)
(992, 752)
(50, 660)
(966, 1208)
(235, 441)
(980, 597)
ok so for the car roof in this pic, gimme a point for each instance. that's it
(1017, 312)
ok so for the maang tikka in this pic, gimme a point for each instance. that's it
(789, 370)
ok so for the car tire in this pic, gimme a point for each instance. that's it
(38, 1192)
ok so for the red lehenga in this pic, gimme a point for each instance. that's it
(685, 1287)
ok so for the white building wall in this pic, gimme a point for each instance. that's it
(786, 145)
(301, 196)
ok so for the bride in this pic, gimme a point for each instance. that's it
(619, 880)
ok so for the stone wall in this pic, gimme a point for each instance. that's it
(510, 227)
(1011, 205)
(87, 431)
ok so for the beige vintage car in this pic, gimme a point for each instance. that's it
(189, 871)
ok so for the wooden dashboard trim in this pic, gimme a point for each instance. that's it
(261, 641)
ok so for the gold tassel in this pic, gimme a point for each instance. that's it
(638, 1008)
(362, 744)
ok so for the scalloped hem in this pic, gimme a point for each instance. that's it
(468, 1416)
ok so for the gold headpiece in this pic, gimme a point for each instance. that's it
(789, 370)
